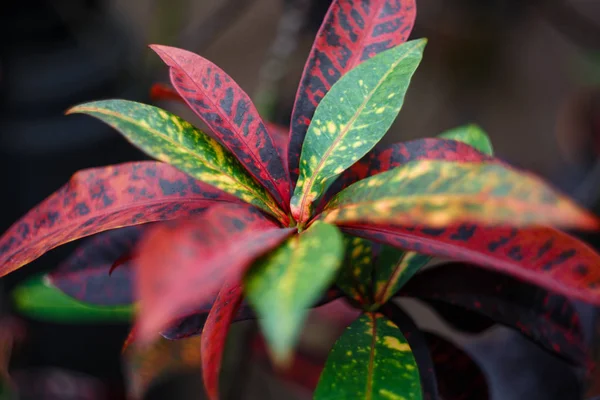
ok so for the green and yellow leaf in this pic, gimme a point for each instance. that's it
(436, 194)
(371, 361)
(355, 275)
(472, 135)
(173, 140)
(284, 284)
(394, 267)
(352, 117)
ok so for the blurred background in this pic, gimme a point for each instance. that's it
(527, 71)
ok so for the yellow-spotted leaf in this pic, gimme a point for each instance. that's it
(472, 135)
(372, 361)
(355, 275)
(284, 284)
(169, 138)
(435, 194)
(352, 117)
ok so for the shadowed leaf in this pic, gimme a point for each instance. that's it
(99, 199)
(393, 269)
(285, 283)
(188, 261)
(355, 275)
(352, 31)
(231, 115)
(472, 135)
(437, 194)
(372, 360)
(352, 117)
(169, 138)
(214, 335)
(39, 299)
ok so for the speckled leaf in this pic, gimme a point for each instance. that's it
(350, 120)
(539, 255)
(545, 317)
(439, 193)
(99, 199)
(352, 31)
(214, 335)
(459, 376)
(37, 298)
(84, 275)
(144, 365)
(189, 260)
(355, 275)
(372, 361)
(231, 115)
(384, 158)
(393, 269)
(169, 138)
(284, 284)
(472, 135)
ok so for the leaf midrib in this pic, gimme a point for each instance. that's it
(310, 183)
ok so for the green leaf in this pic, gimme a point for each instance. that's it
(352, 117)
(39, 299)
(372, 360)
(355, 275)
(472, 135)
(394, 267)
(169, 138)
(284, 284)
(436, 194)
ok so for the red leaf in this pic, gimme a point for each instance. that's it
(352, 31)
(459, 377)
(279, 134)
(183, 264)
(84, 275)
(100, 199)
(544, 317)
(230, 113)
(384, 158)
(160, 91)
(214, 335)
(542, 256)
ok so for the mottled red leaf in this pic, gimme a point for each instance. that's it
(229, 112)
(100, 199)
(214, 335)
(188, 261)
(459, 377)
(352, 31)
(540, 255)
(160, 91)
(544, 317)
(85, 274)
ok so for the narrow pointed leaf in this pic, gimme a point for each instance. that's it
(160, 91)
(352, 32)
(390, 276)
(229, 112)
(144, 365)
(214, 335)
(384, 158)
(99, 199)
(85, 274)
(37, 298)
(372, 361)
(188, 261)
(351, 119)
(169, 138)
(539, 255)
(545, 317)
(472, 135)
(355, 275)
(437, 194)
(458, 374)
(284, 284)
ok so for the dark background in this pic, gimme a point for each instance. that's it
(527, 71)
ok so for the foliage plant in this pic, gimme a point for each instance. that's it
(248, 222)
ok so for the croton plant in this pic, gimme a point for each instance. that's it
(252, 222)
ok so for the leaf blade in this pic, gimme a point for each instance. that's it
(281, 286)
(373, 94)
(472, 135)
(348, 35)
(229, 112)
(189, 261)
(170, 139)
(99, 199)
(371, 360)
(437, 194)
